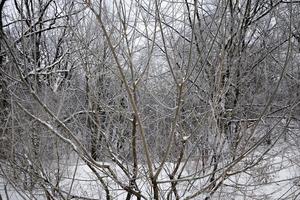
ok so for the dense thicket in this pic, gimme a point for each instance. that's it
(158, 99)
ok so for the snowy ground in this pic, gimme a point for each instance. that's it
(279, 180)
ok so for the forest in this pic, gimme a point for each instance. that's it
(150, 99)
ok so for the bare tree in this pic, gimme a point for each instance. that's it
(153, 99)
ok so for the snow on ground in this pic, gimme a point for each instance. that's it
(279, 180)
